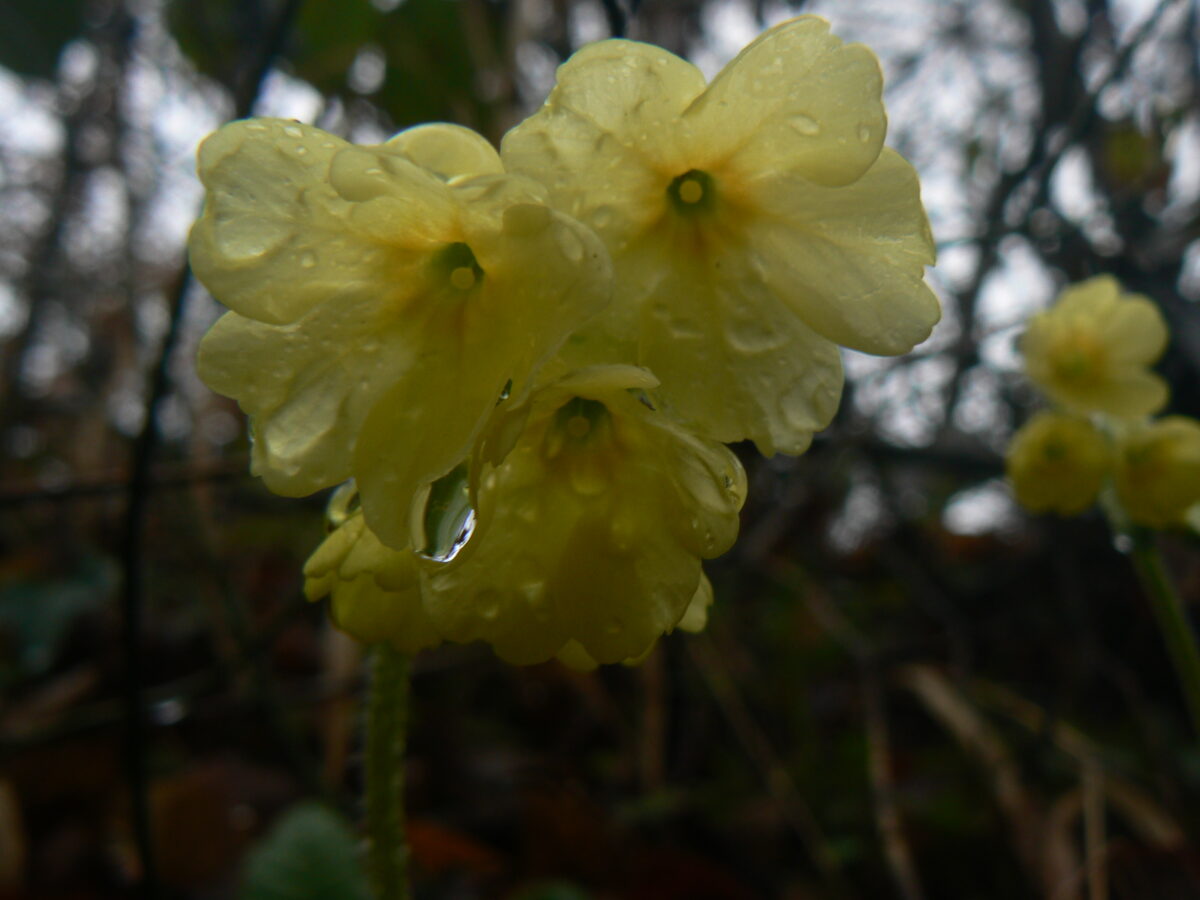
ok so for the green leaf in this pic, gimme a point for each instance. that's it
(310, 854)
(33, 33)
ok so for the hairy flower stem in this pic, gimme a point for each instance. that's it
(1172, 620)
(387, 726)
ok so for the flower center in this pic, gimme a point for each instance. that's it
(1079, 358)
(580, 417)
(455, 263)
(692, 192)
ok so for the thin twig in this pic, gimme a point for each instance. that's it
(1037, 171)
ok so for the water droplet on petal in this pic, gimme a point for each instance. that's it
(587, 479)
(601, 217)
(292, 131)
(534, 592)
(308, 260)
(244, 237)
(799, 407)
(487, 602)
(753, 336)
(805, 125)
(864, 133)
(570, 244)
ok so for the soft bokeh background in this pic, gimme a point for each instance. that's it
(908, 688)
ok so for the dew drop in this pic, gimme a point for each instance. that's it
(245, 237)
(570, 244)
(805, 125)
(587, 480)
(308, 260)
(753, 336)
(534, 592)
(601, 217)
(292, 131)
(488, 603)
(864, 133)
(799, 408)
(256, 126)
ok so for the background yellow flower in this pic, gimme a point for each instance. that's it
(1090, 351)
(1058, 463)
(1158, 471)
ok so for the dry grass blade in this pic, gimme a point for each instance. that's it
(1025, 821)
(1152, 823)
(778, 781)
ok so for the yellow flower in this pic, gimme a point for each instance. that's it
(1158, 471)
(1090, 351)
(1058, 463)
(382, 299)
(695, 618)
(755, 223)
(593, 512)
(374, 591)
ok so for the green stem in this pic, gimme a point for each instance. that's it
(387, 726)
(1172, 620)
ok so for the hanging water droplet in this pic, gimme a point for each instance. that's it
(805, 125)
(449, 519)
(1123, 543)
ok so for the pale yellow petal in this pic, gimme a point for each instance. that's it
(696, 617)
(272, 241)
(608, 141)
(1136, 331)
(796, 100)
(851, 260)
(631, 91)
(308, 386)
(448, 150)
(736, 363)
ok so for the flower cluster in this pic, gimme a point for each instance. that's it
(522, 366)
(1090, 354)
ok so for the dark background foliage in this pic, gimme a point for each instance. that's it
(908, 687)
